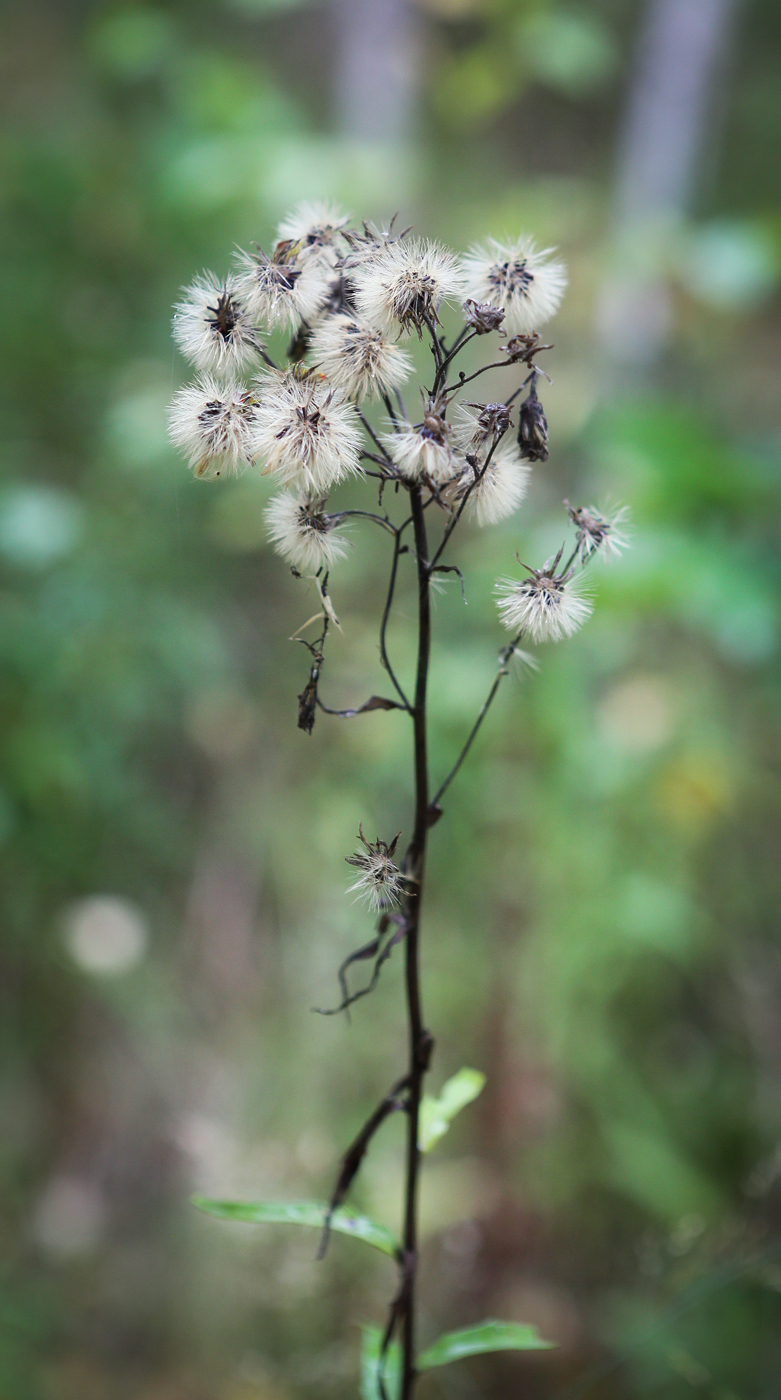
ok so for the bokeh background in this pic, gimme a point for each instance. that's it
(602, 928)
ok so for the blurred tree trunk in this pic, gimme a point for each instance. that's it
(682, 48)
(375, 71)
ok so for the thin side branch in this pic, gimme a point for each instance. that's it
(504, 660)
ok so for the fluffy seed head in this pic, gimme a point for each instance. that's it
(302, 533)
(518, 277)
(306, 431)
(425, 449)
(315, 228)
(497, 489)
(282, 290)
(214, 424)
(598, 531)
(403, 284)
(380, 882)
(213, 328)
(358, 358)
(546, 605)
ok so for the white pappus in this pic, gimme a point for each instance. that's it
(306, 431)
(302, 533)
(213, 423)
(518, 277)
(358, 357)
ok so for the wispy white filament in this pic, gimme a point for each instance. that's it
(214, 424)
(358, 357)
(302, 533)
(518, 277)
(213, 327)
(545, 606)
(402, 284)
(498, 489)
(306, 432)
(417, 454)
(282, 290)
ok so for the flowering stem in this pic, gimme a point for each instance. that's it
(454, 521)
(420, 1042)
(458, 345)
(504, 658)
(384, 623)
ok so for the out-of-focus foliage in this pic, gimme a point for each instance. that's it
(602, 928)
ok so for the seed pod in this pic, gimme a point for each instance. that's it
(533, 428)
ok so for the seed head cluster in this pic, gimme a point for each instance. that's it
(325, 407)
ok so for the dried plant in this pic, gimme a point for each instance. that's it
(350, 295)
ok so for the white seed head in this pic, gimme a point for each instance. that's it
(302, 533)
(315, 228)
(418, 453)
(518, 277)
(546, 605)
(282, 290)
(213, 423)
(498, 489)
(380, 882)
(358, 358)
(403, 284)
(600, 532)
(307, 433)
(213, 328)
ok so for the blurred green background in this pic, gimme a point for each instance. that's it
(602, 921)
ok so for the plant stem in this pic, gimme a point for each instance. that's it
(419, 1040)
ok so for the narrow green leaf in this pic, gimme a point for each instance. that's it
(371, 1340)
(485, 1336)
(302, 1213)
(436, 1115)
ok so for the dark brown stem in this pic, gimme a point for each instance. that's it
(420, 1043)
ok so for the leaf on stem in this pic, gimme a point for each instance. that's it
(371, 1341)
(312, 1213)
(485, 1336)
(436, 1115)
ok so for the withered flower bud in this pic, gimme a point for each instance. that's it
(521, 349)
(533, 428)
(307, 705)
(482, 316)
(493, 418)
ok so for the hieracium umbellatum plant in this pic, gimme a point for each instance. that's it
(349, 299)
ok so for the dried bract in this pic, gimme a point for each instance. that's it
(482, 316)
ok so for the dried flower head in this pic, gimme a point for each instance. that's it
(307, 433)
(403, 284)
(495, 490)
(358, 358)
(518, 277)
(478, 423)
(315, 228)
(213, 328)
(533, 427)
(283, 289)
(547, 604)
(380, 882)
(302, 533)
(482, 316)
(424, 449)
(213, 423)
(599, 532)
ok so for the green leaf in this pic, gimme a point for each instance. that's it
(436, 1115)
(485, 1336)
(371, 1340)
(302, 1213)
